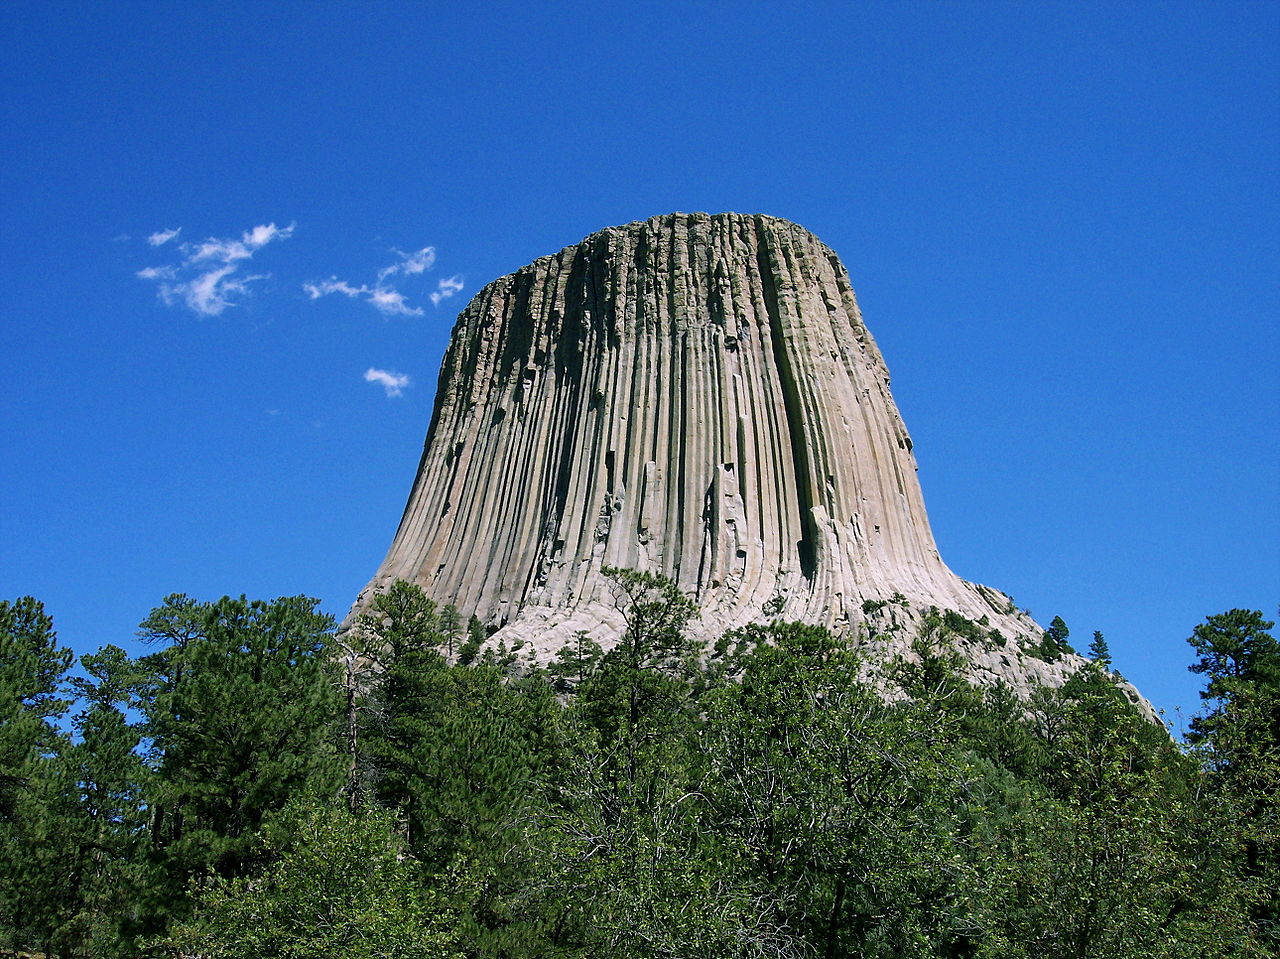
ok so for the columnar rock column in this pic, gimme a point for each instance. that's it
(692, 395)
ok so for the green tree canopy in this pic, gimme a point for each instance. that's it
(336, 885)
(33, 668)
(241, 719)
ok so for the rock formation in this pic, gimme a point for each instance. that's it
(692, 395)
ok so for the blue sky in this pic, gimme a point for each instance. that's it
(1060, 218)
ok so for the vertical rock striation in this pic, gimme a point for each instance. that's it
(692, 395)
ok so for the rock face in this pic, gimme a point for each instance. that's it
(692, 395)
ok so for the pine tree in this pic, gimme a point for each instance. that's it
(1239, 659)
(1099, 651)
(1239, 741)
(110, 782)
(35, 860)
(476, 637)
(1054, 642)
(405, 702)
(574, 662)
(241, 720)
(450, 626)
(32, 670)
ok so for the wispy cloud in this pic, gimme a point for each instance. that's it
(207, 277)
(446, 288)
(393, 383)
(387, 300)
(411, 264)
(381, 294)
(161, 237)
(332, 285)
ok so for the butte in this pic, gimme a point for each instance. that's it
(693, 395)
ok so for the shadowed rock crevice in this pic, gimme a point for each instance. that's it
(791, 405)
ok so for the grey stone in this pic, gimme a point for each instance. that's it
(692, 395)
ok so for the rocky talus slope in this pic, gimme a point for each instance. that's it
(693, 395)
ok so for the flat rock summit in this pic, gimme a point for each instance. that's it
(694, 395)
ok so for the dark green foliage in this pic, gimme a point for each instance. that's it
(1058, 633)
(257, 787)
(1054, 642)
(106, 802)
(638, 701)
(625, 856)
(1239, 660)
(1114, 867)
(873, 606)
(1238, 739)
(965, 628)
(574, 662)
(35, 866)
(335, 885)
(932, 672)
(948, 627)
(405, 706)
(242, 716)
(82, 826)
(829, 799)
(32, 668)
(450, 626)
(476, 636)
(1000, 733)
(656, 614)
(1099, 651)
(457, 753)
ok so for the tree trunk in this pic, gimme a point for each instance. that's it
(833, 923)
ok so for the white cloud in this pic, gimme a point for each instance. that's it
(161, 237)
(446, 288)
(232, 251)
(411, 264)
(212, 292)
(264, 234)
(390, 303)
(393, 383)
(333, 285)
(206, 279)
(387, 301)
(382, 295)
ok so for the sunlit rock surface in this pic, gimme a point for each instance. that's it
(693, 395)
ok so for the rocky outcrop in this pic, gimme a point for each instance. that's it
(692, 395)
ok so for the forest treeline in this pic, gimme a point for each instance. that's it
(256, 785)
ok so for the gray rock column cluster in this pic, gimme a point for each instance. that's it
(692, 395)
